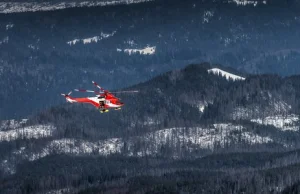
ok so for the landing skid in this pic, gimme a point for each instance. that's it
(119, 108)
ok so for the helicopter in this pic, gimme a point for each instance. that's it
(103, 101)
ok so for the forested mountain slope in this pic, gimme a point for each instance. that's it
(239, 130)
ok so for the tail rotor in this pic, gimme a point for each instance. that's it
(65, 95)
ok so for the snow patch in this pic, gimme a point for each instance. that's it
(225, 74)
(145, 51)
(91, 39)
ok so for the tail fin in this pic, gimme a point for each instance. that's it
(67, 96)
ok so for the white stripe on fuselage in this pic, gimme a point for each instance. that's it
(107, 102)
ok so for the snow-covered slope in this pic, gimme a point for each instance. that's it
(193, 139)
(188, 138)
(175, 140)
(37, 131)
(12, 7)
(225, 74)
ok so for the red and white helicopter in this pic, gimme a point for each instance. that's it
(102, 101)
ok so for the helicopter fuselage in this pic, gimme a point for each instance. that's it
(98, 102)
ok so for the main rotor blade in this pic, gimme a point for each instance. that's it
(97, 86)
(134, 91)
(83, 90)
